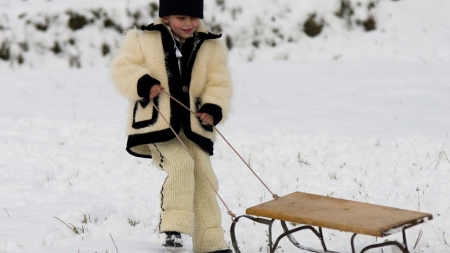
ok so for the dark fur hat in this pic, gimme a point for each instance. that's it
(192, 8)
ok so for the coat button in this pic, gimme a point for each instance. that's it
(185, 89)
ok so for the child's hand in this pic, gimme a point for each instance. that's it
(206, 118)
(155, 90)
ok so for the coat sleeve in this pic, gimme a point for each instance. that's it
(128, 73)
(218, 89)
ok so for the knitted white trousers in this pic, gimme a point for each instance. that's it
(188, 202)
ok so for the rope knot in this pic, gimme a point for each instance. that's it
(233, 216)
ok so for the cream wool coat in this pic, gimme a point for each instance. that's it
(141, 53)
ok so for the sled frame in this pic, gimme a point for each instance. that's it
(332, 213)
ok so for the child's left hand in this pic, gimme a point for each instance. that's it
(206, 118)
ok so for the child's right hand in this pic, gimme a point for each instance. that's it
(155, 90)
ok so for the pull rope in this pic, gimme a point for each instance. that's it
(248, 166)
(229, 212)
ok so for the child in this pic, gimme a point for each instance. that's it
(178, 56)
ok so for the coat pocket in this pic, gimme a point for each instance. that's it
(144, 114)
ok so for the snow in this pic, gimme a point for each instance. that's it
(349, 114)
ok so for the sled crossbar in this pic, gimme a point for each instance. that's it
(332, 213)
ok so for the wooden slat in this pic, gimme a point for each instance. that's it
(338, 214)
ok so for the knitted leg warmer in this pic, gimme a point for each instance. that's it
(188, 203)
(208, 235)
(177, 193)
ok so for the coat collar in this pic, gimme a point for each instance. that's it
(202, 32)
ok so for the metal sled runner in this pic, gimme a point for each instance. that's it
(332, 213)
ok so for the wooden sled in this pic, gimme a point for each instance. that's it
(332, 213)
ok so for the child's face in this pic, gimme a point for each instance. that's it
(182, 26)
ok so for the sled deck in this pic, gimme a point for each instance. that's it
(310, 211)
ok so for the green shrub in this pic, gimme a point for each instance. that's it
(71, 41)
(345, 11)
(109, 23)
(23, 46)
(221, 3)
(312, 27)
(20, 59)
(271, 42)
(56, 48)
(97, 13)
(105, 49)
(216, 28)
(42, 26)
(136, 16)
(229, 42)
(74, 61)
(255, 43)
(369, 24)
(154, 9)
(76, 21)
(4, 51)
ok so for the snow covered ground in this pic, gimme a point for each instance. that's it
(365, 130)
(360, 116)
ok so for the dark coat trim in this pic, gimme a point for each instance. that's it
(153, 27)
(145, 123)
(145, 83)
(213, 110)
(137, 154)
(147, 138)
(209, 36)
(162, 27)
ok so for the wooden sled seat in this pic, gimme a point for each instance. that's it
(338, 214)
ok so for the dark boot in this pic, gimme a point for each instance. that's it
(173, 239)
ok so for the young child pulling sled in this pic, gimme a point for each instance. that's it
(176, 55)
